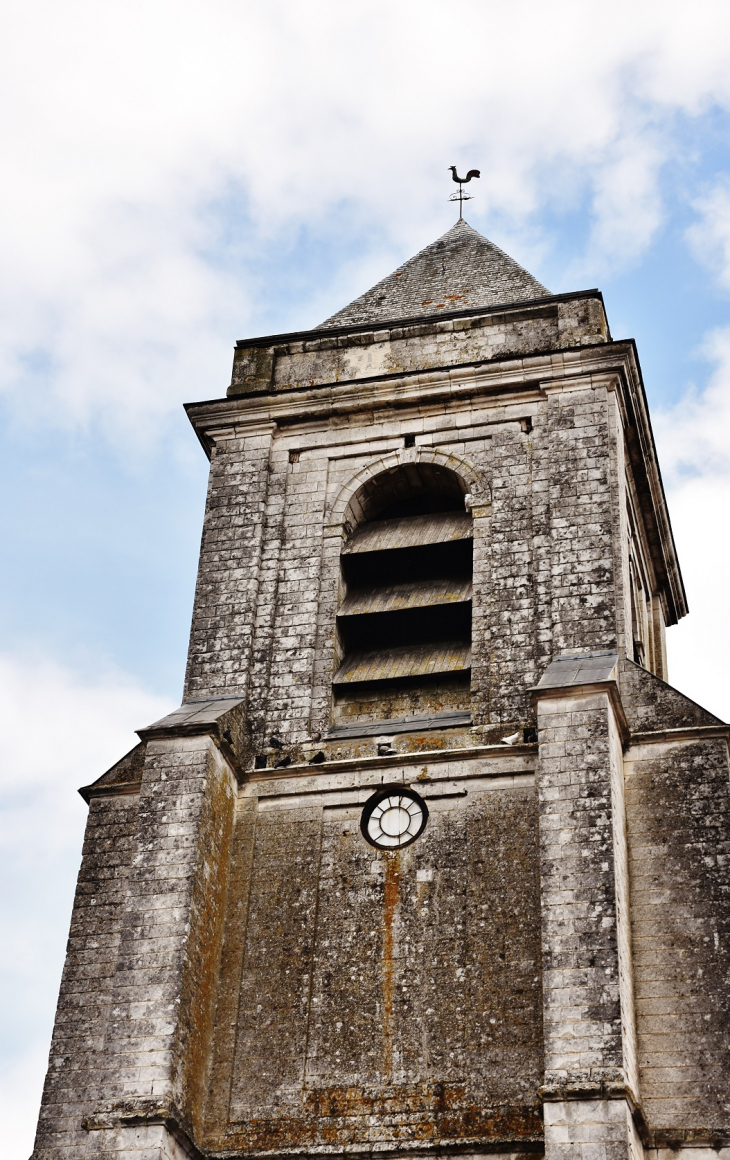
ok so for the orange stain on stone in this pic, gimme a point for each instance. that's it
(390, 902)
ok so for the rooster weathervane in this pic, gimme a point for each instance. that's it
(461, 197)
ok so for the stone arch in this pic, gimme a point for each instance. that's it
(353, 504)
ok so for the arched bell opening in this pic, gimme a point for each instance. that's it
(404, 618)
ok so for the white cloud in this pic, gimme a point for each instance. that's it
(699, 645)
(20, 1093)
(626, 202)
(692, 434)
(57, 731)
(123, 128)
(709, 236)
(694, 454)
(692, 443)
(57, 727)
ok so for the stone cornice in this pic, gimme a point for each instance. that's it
(417, 757)
(525, 375)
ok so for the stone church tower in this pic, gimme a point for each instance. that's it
(431, 860)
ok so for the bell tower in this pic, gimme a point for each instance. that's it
(431, 860)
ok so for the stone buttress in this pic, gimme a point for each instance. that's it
(432, 859)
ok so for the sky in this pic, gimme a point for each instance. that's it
(180, 175)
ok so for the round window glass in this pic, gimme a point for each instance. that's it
(393, 818)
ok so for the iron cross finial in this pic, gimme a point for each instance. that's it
(461, 197)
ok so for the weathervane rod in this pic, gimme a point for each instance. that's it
(461, 197)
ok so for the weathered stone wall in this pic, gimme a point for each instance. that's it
(84, 1004)
(589, 1019)
(550, 579)
(678, 801)
(370, 997)
(586, 1129)
(226, 596)
(677, 779)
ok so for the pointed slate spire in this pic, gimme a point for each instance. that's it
(459, 271)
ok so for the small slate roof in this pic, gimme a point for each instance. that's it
(579, 669)
(460, 271)
(195, 715)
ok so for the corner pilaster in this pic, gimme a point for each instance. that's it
(591, 1082)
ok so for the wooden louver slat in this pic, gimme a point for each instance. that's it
(410, 532)
(415, 594)
(404, 661)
